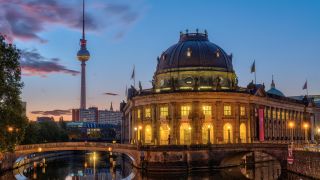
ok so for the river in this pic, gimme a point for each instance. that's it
(98, 165)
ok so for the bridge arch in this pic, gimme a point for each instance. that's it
(234, 158)
(129, 150)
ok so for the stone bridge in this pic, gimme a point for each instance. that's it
(168, 157)
(130, 150)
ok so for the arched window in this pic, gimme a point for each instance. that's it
(185, 133)
(164, 134)
(227, 133)
(206, 129)
(147, 134)
(243, 133)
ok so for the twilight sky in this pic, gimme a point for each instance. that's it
(282, 36)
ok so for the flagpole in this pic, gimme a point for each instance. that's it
(255, 77)
(307, 89)
(134, 78)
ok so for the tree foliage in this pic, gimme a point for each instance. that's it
(44, 132)
(12, 119)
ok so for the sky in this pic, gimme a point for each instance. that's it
(283, 37)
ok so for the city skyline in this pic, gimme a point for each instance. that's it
(250, 30)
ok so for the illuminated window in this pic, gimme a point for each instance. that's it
(148, 112)
(185, 110)
(206, 110)
(269, 113)
(242, 111)
(189, 52)
(163, 112)
(278, 115)
(217, 54)
(138, 114)
(282, 115)
(227, 110)
(274, 114)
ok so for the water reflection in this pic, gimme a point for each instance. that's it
(105, 165)
(91, 165)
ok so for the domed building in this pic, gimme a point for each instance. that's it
(195, 99)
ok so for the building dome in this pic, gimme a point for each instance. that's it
(194, 63)
(273, 90)
(194, 50)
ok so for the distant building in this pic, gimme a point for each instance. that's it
(110, 116)
(89, 115)
(85, 115)
(75, 114)
(89, 128)
(45, 119)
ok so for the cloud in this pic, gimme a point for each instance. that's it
(56, 112)
(110, 94)
(26, 19)
(33, 63)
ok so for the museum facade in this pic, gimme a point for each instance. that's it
(195, 99)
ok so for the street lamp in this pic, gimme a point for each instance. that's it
(10, 129)
(229, 134)
(209, 126)
(306, 126)
(291, 125)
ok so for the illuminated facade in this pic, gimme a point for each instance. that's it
(196, 99)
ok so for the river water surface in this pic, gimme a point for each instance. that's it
(100, 166)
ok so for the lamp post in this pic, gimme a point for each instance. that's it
(306, 126)
(140, 128)
(291, 125)
(135, 134)
(229, 134)
(209, 126)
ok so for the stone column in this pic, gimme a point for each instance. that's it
(253, 122)
(311, 117)
(236, 136)
(218, 133)
(266, 119)
(155, 130)
(174, 128)
(196, 125)
(272, 123)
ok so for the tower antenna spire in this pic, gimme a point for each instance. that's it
(83, 24)
(83, 55)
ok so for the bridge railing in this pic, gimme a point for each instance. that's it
(213, 146)
(73, 144)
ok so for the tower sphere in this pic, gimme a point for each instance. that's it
(83, 55)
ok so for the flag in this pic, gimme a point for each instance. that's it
(305, 86)
(253, 67)
(133, 73)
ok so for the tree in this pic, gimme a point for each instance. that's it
(12, 119)
(32, 133)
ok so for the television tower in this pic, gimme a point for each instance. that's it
(83, 55)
